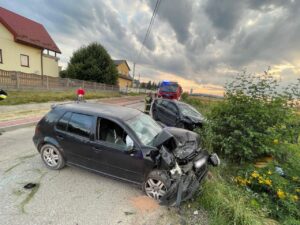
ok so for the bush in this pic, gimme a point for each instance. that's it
(251, 119)
(184, 96)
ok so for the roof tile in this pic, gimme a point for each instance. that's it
(27, 31)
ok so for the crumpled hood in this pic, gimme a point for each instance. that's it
(187, 142)
(195, 119)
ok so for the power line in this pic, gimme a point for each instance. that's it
(149, 27)
(147, 34)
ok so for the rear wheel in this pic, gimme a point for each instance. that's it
(157, 184)
(52, 157)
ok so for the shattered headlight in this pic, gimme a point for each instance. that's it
(199, 163)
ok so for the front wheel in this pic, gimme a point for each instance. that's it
(157, 184)
(52, 157)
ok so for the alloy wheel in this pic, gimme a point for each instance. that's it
(51, 156)
(155, 189)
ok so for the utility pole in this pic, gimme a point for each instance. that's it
(133, 73)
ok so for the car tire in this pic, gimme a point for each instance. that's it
(157, 184)
(52, 157)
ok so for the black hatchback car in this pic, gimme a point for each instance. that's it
(126, 144)
(176, 114)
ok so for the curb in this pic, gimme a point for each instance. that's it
(18, 126)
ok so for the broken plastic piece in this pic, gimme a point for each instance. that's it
(29, 185)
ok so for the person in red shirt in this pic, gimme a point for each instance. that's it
(80, 94)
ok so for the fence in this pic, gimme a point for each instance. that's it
(19, 80)
(127, 90)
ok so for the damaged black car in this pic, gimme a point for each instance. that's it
(126, 144)
(176, 114)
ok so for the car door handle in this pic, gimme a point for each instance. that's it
(60, 137)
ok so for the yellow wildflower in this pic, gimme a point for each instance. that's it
(260, 180)
(298, 190)
(254, 174)
(280, 194)
(295, 198)
(269, 172)
(268, 182)
(275, 141)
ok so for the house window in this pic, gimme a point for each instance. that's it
(1, 56)
(25, 60)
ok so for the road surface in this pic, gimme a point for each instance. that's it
(71, 196)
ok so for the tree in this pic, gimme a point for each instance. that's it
(92, 63)
(148, 85)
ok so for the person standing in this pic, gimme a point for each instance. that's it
(3, 95)
(80, 94)
(148, 101)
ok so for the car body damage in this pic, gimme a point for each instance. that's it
(176, 114)
(168, 163)
(184, 162)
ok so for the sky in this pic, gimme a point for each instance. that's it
(201, 44)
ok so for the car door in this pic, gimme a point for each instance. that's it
(74, 132)
(111, 154)
(163, 112)
(170, 113)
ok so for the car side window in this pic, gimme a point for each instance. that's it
(62, 123)
(164, 104)
(172, 107)
(111, 132)
(158, 101)
(80, 124)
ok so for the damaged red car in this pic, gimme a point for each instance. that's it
(126, 144)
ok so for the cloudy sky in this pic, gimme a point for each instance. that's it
(202, 44)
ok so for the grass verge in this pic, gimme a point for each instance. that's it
(23, 97)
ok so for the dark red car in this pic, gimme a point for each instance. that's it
(169, 90)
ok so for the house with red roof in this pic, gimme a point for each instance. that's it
(26, 46)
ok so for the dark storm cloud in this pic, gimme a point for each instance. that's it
(178, 14)
(207, 41)
(224, 15)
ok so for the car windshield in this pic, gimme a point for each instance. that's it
(169, 88)
(188, 110)
(144, 127)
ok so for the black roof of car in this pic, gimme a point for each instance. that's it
(109, 110)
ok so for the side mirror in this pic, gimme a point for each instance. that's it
(129, 143)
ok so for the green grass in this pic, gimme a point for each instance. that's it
(202, 104)
(23, 97)
(227, 204)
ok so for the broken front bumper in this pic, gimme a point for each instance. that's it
(185, 185)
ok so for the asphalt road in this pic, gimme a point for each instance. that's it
(70, 196)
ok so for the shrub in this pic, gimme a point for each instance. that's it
(251, 119)
(184, 96)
